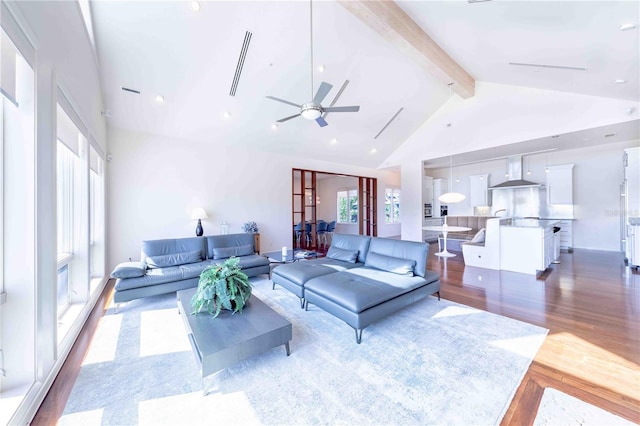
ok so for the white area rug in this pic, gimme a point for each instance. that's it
(435, 362)
(558, 408)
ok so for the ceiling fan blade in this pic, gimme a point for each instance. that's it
(321, 121)
(283, 101)
(342, 109)
(322, 92)
(282, 120)
(335, 98)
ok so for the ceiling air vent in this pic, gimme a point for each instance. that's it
(126, 89)
(243, 55)
(389, 122)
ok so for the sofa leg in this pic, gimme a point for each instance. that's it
(306, 304)
(438, 293)
(358, 335)
(303, 304)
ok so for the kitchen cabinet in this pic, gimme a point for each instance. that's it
(439, 187)
(566, 235)
(560, 184)
(479, 190)
(427, 190)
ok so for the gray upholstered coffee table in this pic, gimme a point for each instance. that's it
(222, 342)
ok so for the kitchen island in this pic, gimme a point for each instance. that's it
(527, 245)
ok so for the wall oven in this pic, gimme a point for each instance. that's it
(428, 210)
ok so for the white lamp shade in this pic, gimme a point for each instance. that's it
(451, 197)
(199, 213)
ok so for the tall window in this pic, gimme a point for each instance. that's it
(66, 161)
(392, 205)
(347, 206)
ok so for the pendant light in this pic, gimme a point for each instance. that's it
(451, 197)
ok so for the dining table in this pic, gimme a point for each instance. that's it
(445, 229)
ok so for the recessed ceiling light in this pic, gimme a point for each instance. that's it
(159, 98)
(620, 81)
(373, 150)
(195, 5)
(226, 115)
(274, 126)
(627, 27)
(334, 141)
(321, 68)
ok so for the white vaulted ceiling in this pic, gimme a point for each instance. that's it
(190, 59)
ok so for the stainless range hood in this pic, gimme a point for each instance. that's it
(515, 173)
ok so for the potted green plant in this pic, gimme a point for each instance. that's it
(220, 287)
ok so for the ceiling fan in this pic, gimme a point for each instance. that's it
(314, 110)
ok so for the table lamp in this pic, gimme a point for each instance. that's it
(199, 214)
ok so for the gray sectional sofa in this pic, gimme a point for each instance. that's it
(175, 264)
(362, 279)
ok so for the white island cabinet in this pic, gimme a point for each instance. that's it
(527, 246)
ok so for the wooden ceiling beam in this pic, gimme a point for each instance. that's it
(395, 26)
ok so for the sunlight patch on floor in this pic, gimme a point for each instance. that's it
(232, 409)
(454, 311)
(162, 332)
(563, 346)
(522, 346)
(105, 342)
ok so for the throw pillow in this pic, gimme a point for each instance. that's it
(479, 237)
(174, 259)
(390, 264)
(341, 254)
(226, 252)
(129, 270)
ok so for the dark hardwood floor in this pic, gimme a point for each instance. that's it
(590, 303)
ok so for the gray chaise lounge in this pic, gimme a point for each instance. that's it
(362, 279)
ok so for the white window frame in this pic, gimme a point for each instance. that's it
(395, 217)
(350, 194)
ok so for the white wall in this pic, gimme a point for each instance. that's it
(497, 115)
(154, 182)
(596, 178)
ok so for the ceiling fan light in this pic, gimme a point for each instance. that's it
(311, 113)
(451, 197)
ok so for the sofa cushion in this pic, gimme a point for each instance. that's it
(226, 252)
(129, 270)
(302, 271)
(151, 248)
(362, 288)
(342, 254)
(229, 240)
(410, 250)
(390, 263)
(352, 242)
(174, 259)
(152, 277)
(251, 261)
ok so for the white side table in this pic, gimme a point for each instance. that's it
(445, 229)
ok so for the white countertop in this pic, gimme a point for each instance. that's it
(533, 223)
